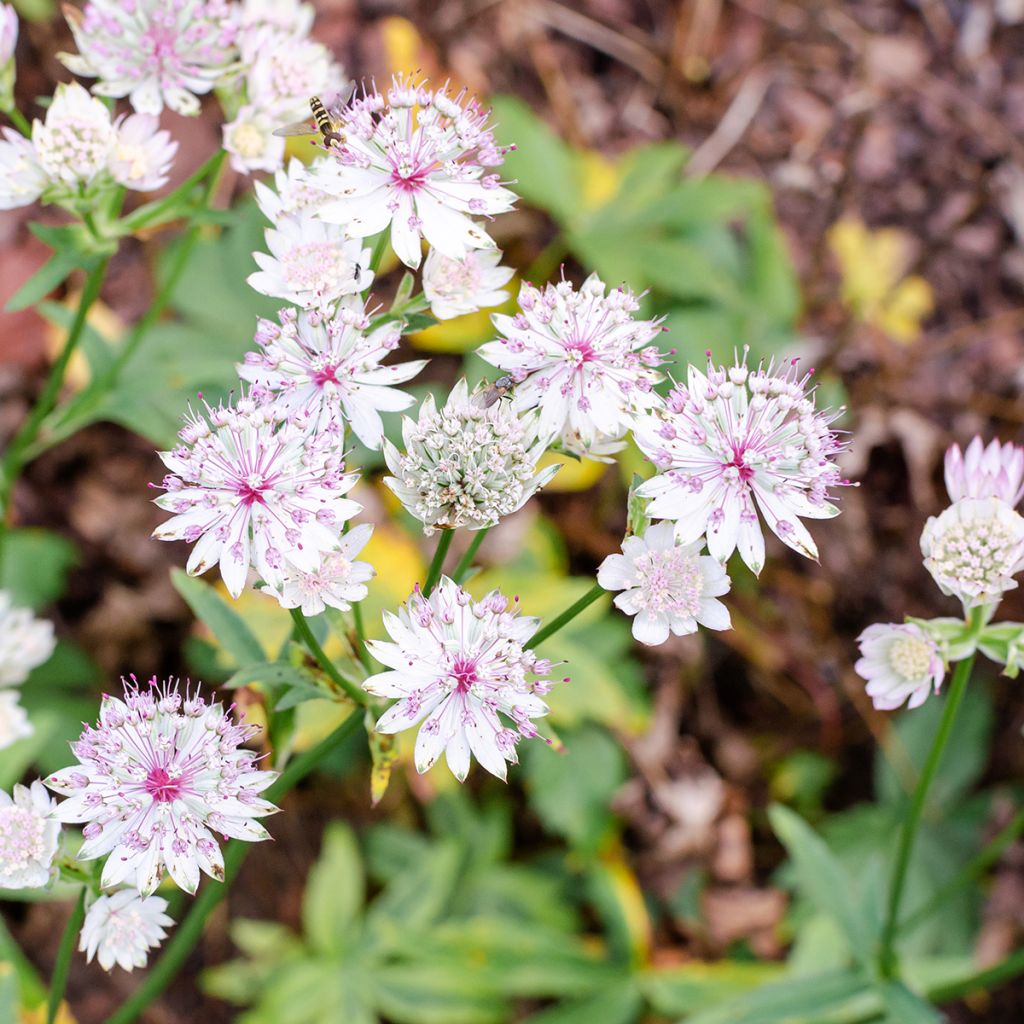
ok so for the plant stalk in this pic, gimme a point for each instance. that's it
(64, 953)
(567, 616)
(466, 561)
(444, 542)
(357, 694)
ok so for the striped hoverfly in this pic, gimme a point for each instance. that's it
(325, 120)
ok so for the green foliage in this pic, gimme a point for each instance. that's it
(34, 565)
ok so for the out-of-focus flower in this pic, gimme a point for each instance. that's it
(157, 777)
(22, 179)
(29, 836)
(986, 471)
(142, 154)
(667, 587)
(415, 160)
(339, 582)
(14, 723)
(456, 287)
(581, 358)
(295, 195)
(311, 264)
(329, 368)
(251, 143)
(457, 665)
(288, 16)
(734, 442)
(974, 549)
(254, 487)
(900, 663)
(122, 928)
(8, 33)
(156, 52)
(25, 642)
(76, 140)
(466, 466)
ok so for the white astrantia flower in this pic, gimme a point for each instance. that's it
(667, 587)
(25, 642)
(29, 837)
(986, 471)
(22, 178)
(142, 153)
(734, 443)
(122, 928)
(311, 264)
(467, 466)
(581, 358)
(287, 16)
(294, 193)
(974, 549)
(156, 52)
(250, 142)
(8, 33)
(455, 287)
(75, 142)
(339, 582)
(900, 663)
(14, 723)
(461, 668)
(414, 160)
(157, 777)
(329, 368)
(253, 487)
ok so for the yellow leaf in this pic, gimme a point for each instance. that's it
(908, 305)
(575, 475)
(404, 49)
(102, 319)
(599, 178)
(315, 720)
(383, 753)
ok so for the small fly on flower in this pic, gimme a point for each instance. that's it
(326, 121)
(495, 391)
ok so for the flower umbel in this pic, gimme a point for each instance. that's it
(75, 141)
(250, 141)
(456, 287)
(29, 836)
(986, 471)
(338, 582)
(122, 928)
(25, 642)
(901, 664)
(14, 723)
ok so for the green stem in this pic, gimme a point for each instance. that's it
(887, 957)
(361, 648)
(148, 215)
(444, 542)
(20, 121)
(379, 248)
(567, 616)
(63, 964)
(466, 561)
(302, 627)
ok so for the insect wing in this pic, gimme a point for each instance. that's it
(339, 101)
(486, 398)
(305, 127)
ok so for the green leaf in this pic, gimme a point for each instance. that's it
(695, 986)
(434, 993)
(617, 1003)
(97, 350)
(418, 897)
(223, 621)
(716, 198)
(904, 1007)
(334, 891)
(774, 288)
(34, 565)
(52, 273)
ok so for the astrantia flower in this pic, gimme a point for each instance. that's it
(289, 16)
(339, 582)
(22, 178)
(415, 160)
(255, 488)
(329, 367)
(295, 195)
(466, 466)
(75, 142)
(14, 723)
(901, 664)
(283, 71)
(122, 928)
(25, 642)
(29, 836)
(157, 777)
(142, 154)
(667, 587)
(986, 471)
(311, 264)
(736, 442)
(156, 52)
(457, 287)
(581, 357)
(8, 32)
(459, 666)
(974, 549)
(250, 141)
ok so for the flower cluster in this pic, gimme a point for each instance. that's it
(121, 929)
(455, 287)
(8, 42)
(25, 643)
(29, 837)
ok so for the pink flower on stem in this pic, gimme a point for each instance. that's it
(986, 471)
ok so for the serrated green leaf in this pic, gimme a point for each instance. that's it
(904, 1007)
(695, 986)
(223, 621)
(34, 565)
(334, 891)
(51, 274)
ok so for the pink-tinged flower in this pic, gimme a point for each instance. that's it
(8, 33)
(288, 16)
(22, 178)
(581, 358)
(75, 142)
(900, 663)
(339, 582)
(974, 549)
(329, 368)
(29, 837)
(311, 264)
(122, 928)
(142, 154)
(156, 52)
(255, 487)
(460, 667)
(25, 642)
(295, 195)
(986, 471)
(156, 778)
(250, 142)
(415, 160)
(736, 442)
(457, 287)
(14, 723)
(667, 587)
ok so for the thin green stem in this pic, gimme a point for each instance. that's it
(361, 649)
(379, 248)
(302, 628)
(567, 616)
(444, 542)
(20, 121)
(63, 964)
(887, 957)
(146, 216)
(466, 561)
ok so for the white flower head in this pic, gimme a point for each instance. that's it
(251, 486)
(14, 723)
(156, 52)
(292, 17)
(75, 142)
(581, 357)
(22, 178)
(328, 367)
(667, 587)
(142, 153)
(251, 143)
(974, 549)
(986, 471)
(8, 33)
(295, 193)
(455, 287)
(465, 465)
(25, 642)
(461, 668)
(159, 774)
(339, 582)
(415, 160)
(734, 443)
(283, 71)
(29, 837)
(122, 928)
(900, 663)
(311, 264)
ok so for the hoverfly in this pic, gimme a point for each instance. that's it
(325, 121)
(495, 391)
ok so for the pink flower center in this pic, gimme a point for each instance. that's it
(411, 182)
(327, 375)
(745, 472)
(161, 787)
(251, 491)
(464, 674)
(579, 352)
